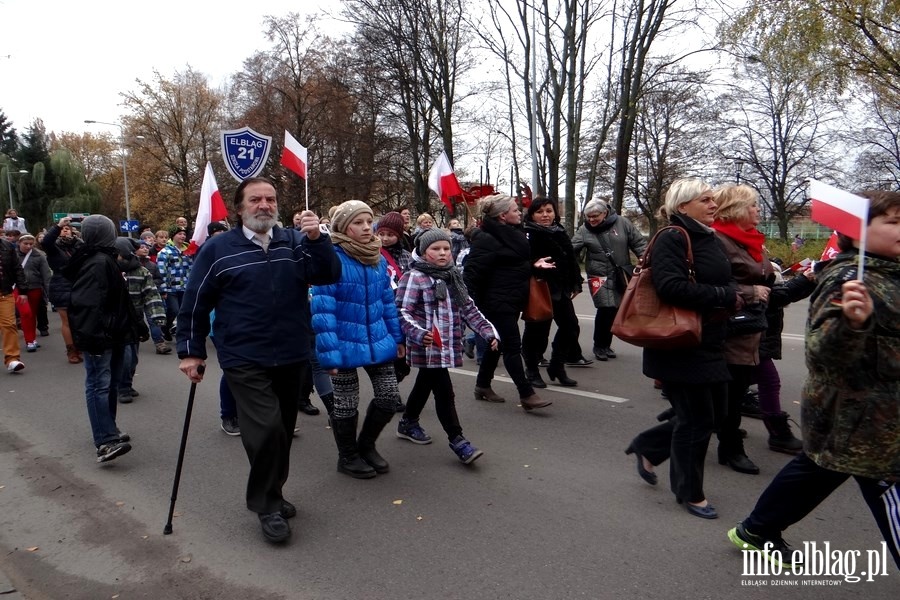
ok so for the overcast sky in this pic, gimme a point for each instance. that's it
(65, 61)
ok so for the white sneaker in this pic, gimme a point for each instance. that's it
(31, 346)
(15, 366)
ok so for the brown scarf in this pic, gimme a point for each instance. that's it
(367, 254)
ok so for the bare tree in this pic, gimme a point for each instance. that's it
(878, 164)
(783, 132)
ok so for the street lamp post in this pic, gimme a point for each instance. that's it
(124, 163)
(9, 184)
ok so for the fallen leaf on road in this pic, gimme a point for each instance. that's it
(398, 502)
(526, 466)
(32, 549)
(120, 503)
(186, 559)
(144, 537)
(419, 518)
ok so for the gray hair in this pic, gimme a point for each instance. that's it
(683, 191)
(495, 205)
(596, 206)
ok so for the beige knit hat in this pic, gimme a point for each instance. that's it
(346, 212)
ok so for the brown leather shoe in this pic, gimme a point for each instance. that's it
(488, 395)
(534, 401)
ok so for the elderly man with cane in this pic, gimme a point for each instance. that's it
(256, 277)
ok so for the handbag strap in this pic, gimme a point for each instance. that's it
(645, 259)
(606, 250)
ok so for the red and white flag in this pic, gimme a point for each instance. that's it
(293, 156)
(212, 208)
(831, 248)
(838, 210)
(436, 340)
(442, 181)
(800, 266)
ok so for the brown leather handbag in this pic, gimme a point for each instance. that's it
(646, 321)
(539, 306)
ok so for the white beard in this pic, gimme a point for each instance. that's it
(260, 223)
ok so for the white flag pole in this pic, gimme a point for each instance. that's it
(863, 234)
(306, 188)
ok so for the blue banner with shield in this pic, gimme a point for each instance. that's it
(245, 152)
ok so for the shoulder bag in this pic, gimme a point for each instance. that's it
(539, 306)
(620, 275)
(646, 321)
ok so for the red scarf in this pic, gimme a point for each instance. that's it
(751, 239)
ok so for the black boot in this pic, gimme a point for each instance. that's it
(750, 405)
(557, 370)
(376, 419)
(349, 461)
(781, 439)
(534, 378)
(733, 455)
(328, 401)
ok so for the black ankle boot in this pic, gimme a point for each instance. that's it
(376, 420)
(738, 461)
(556, 370)
(349, 461)
(534, 378)
(781, 439)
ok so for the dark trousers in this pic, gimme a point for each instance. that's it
(507, 325)
(603, 321)
(802, 485)
(685, 438)
(730, 440)
(437, 382)
(266, 399)
(537, 333)
(42, 323)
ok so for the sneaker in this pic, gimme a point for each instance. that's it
(579, 362)
(111, 450)
(230, 426)
(14, 366)
(163, 348)
(31, 346)
(412, 431)
(743, 539)
(124, 397)
(466, 452)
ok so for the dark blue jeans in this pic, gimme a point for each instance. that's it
(102, 375)
(129, 366)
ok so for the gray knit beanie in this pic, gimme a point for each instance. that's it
(428, 237)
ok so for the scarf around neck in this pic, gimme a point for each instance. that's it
(603, 225)
(752, 240)
(368, 253)
(447, 277)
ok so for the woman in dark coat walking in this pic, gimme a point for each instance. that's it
(547, 238)
(60, 245)
(497, 274)
(696, 379)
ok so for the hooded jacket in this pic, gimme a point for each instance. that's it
(101, 315)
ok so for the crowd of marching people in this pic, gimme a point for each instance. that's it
(333, 296)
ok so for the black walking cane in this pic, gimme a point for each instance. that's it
(187, 423)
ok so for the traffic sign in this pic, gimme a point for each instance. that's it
(129, 226)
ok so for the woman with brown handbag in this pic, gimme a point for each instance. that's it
(695, 379)
(547, 238)
(497, 274)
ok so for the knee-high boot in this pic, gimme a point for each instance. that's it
(349, 461)
(375, 422)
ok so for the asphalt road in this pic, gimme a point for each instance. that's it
(554, 509)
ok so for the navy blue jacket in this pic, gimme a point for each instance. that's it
(261, 299)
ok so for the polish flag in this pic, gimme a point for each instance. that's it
(436, 340)
(442, 181)
(293, 156)
(839, 210)
(801, 266)
(831, 248)
(212, 208)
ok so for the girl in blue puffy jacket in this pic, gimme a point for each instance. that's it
(356, 325)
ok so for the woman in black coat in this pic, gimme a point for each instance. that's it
(547, 238)
(695, 379)
(497, 274)
(60, 245)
